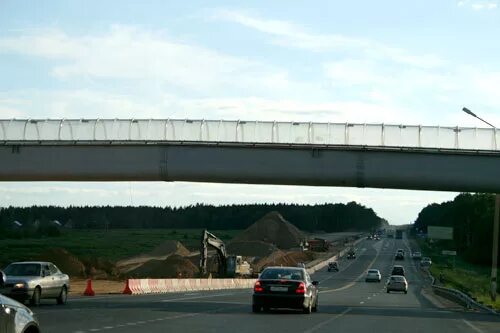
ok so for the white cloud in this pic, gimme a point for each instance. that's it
(292, 35)
(128, 53)
(478, 5)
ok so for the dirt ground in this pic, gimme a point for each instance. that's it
(100, 287)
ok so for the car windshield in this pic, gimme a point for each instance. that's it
(23, 270)
(282, 274)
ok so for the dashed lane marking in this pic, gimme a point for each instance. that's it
(323, 323)
(142, 322)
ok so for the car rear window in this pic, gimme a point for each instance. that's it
(282, 273)
(397, 278)
(22, 270)
(372, 271)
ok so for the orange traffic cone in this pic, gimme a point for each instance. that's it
(88, 291)
(127, 289)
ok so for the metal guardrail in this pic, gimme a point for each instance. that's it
(254, 132)
(458, 296)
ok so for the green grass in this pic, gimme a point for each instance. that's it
(112, 245)
(466, 277)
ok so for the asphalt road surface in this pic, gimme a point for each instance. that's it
(346, 304)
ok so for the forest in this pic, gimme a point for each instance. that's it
(471, 217)
(325, 217)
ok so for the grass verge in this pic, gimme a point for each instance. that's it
(461, 275)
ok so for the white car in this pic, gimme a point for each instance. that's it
(373, 275)
(397, 283)
(416, 255)
(426, 262)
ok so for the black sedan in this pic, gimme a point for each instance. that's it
(285, 287)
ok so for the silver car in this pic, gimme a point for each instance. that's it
(373, 275)
(35, 280)
(397, 283)
(15, 317)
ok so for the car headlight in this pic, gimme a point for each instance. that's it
(20, 285)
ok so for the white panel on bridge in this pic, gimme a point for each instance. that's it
(178, 130)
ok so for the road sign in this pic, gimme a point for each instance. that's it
(449, 253)
(434, 232)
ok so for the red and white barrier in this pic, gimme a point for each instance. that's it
(158, 286)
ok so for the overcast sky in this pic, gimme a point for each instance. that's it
(395, 61)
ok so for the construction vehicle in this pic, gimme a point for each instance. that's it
(228, 265)
(318, 245)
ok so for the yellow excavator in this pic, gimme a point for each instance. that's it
(229, 265)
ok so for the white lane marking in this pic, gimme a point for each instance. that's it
(158, 319)
(361, 302)
(196, 297)
(323, 323)
(217, 302)
(478, 330)
(368, 297)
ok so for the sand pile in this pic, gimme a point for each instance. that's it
(65, 261)
(251, 248)
(273, 228)
(172, 267)
(161, 252)
(282, 258)
(169, 247)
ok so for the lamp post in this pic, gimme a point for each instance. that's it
(494, 254)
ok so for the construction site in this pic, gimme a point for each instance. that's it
(270, 241)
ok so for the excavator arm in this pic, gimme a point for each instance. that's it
(209, 239)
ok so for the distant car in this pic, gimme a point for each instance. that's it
(15, 317)
(425, 262)
(351, 254)
(36, 280)
(373, 275)
(398, 270)
(400, 255)
(285, 287)
(333, 266)
(416, 255)
(369, 237)
(301, 265)
(397, 283)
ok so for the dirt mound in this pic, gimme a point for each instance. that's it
(168, 247)
(282, 258)
(65, 261)
(161, 252)
(273, 228)
(172, 267)
(251, 248)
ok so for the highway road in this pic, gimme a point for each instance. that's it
(347, 304)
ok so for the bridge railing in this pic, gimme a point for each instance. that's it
(177, 130)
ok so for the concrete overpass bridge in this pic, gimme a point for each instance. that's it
(293, 153)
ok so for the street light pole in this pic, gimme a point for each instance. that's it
(494, 254)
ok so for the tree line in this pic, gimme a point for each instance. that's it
(325, 217)
(471, 217)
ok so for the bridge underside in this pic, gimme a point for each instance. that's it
(322, 166)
